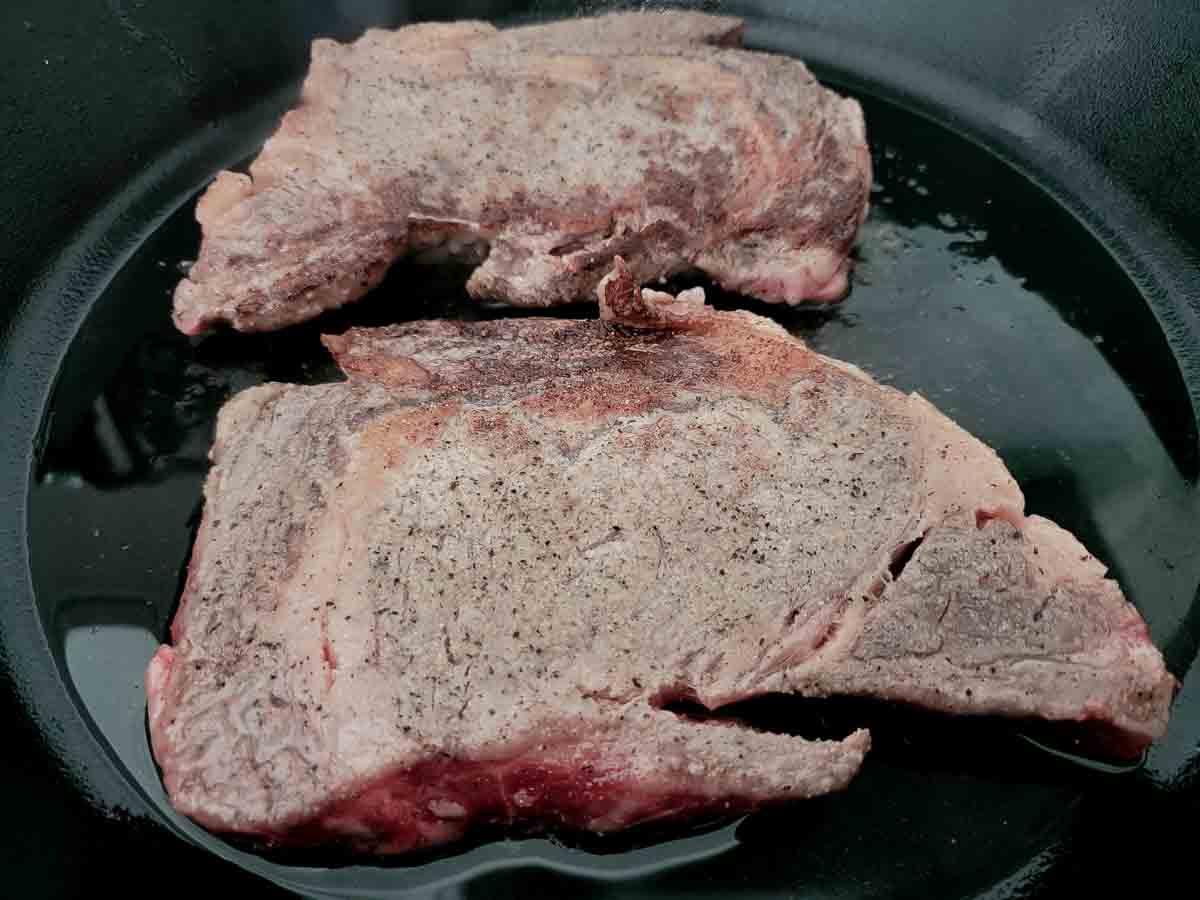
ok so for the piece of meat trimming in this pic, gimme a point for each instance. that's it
(539, 153)
(462, 586)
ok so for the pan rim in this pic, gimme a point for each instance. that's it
(52, 310)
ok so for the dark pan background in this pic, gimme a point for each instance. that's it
(1102, 98)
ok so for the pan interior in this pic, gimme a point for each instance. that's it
(972, 287)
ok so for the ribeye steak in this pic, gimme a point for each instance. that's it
(540, 153)
(461, 586)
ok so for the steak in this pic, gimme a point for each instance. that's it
(539, 153)
(466, 585)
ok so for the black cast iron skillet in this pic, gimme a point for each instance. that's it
(1029, 265)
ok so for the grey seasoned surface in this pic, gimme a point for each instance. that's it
(501, 547)
(539, 153)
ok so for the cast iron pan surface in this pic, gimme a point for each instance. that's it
(1028, 266)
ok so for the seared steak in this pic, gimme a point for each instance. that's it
(462, 586)
(540, 153)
